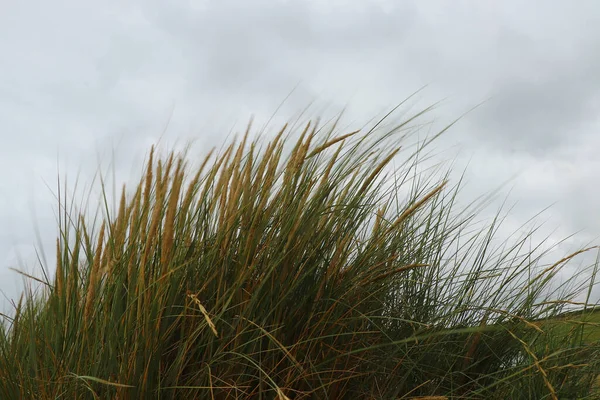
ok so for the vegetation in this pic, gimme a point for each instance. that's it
(290, 269)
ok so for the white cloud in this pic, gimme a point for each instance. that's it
(79, 77)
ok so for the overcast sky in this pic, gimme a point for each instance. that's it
(78, 78)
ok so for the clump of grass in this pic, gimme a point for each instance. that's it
(268, 273)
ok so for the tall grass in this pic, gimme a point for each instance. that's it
(290, 269)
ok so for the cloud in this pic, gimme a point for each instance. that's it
(82, 77)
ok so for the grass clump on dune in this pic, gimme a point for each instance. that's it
(293, 272)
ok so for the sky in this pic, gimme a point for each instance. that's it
(83, 83)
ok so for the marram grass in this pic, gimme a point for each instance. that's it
(290, 269)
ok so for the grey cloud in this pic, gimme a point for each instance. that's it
(79, 78)
(541, 111)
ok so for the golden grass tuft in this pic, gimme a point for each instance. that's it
(293, 269)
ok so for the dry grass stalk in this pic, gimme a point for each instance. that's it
(94, 278)
(211, 325)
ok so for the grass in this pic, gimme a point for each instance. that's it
(587, 325)
(296, 268)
